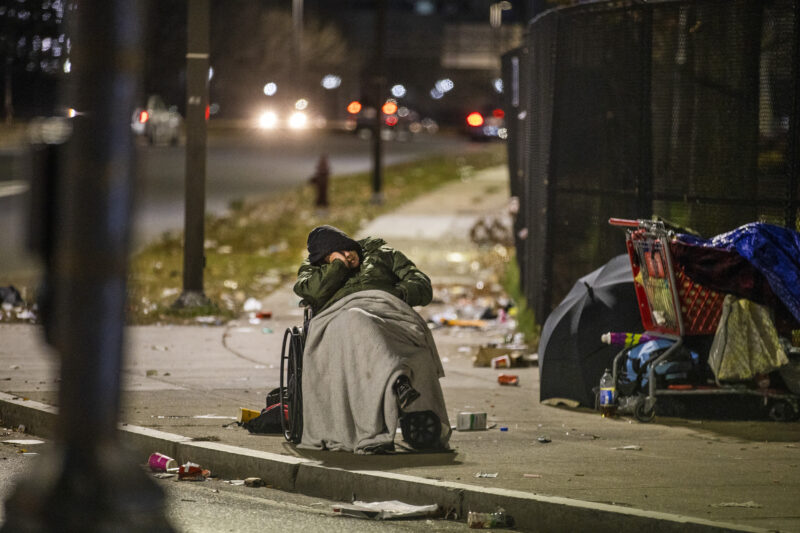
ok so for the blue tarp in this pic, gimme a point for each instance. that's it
(772, 250)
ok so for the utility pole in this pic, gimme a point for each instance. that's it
(379, 91)
(83, 202)
(194, 260)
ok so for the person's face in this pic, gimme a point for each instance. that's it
(352, 258)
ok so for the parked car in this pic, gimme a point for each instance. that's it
(157, 122)
(489, 124)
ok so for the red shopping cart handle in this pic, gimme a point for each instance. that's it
(623, 222)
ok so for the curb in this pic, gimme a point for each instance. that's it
(308, 477)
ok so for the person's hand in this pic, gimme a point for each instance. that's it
(337, 255)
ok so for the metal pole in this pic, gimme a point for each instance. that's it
(89, 483)
(297, 45)
(196, 104)
(379, 91)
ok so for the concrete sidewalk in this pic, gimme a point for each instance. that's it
(184, 386)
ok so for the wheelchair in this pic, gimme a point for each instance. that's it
(420, 429)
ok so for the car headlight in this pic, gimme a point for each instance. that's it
(268, 120)
(298, 120)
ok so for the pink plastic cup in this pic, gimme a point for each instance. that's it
(161, 463)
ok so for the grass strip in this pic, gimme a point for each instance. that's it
(259, 245)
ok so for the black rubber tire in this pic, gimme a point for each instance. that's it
(291, 382)
(421, 429)
(642, 414)
(782, 411)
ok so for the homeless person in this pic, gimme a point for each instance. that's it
(369, 362)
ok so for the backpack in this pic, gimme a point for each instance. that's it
(269, 421)
(682, 367)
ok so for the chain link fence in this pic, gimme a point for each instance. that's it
(683, 110)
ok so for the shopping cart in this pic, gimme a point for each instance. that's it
(673, 306)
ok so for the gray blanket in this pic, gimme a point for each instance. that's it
(354, 351)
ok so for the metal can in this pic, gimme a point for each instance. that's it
(471, 421)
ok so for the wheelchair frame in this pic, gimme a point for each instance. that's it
(291, 384)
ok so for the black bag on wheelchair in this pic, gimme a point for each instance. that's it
(269, 421)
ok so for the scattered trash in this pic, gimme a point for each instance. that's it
(192, 472)
(254, 482)
(21, 428)
(23, 442)
(501, 361)
(471, 421)
(486, 475)
(503, 428)
(266, 330)
(168, 293)
(630, 447)
(164, 475)
(746, 505)
(10, 295)
(215, 417)
(544, 439)
(385, 510)
(566, 402)
(517, 357)
(264, 314)
(14, 367)
(235, 482)
(151, 373)
(536, 476)
(464, 323)
(207, 319)
(508, 379)
(251, 304)
(489, 520)
(159, 462)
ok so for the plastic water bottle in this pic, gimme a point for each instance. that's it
(608, 395)
(489, 520)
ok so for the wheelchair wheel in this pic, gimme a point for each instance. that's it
(421, 429)
(291, 384)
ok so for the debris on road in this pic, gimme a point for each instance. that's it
(159, 462)
(386, 510)
(192, 472)
(630, 447)
(251, 304)
(254, 482)
(544, 439)
(23, 442)
(486, 475)
(566, 402)
(535, 476)
(508, 379)
(471, 421)
(746, 505)
(493, 520)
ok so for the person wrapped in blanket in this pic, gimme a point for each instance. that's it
(336, 269)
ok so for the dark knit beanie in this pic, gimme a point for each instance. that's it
(324, 240)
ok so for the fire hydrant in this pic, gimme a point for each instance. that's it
(320, 182)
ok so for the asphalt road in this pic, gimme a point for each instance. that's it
(216, 505)
(239, 166)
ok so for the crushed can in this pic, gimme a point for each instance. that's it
(471, 421)
(192, 472)
(508, 379)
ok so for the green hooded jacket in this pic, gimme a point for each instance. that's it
(381, 267)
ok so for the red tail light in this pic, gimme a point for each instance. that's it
(391, 120)
(475, 119)
(143, 116)
(498, 113)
